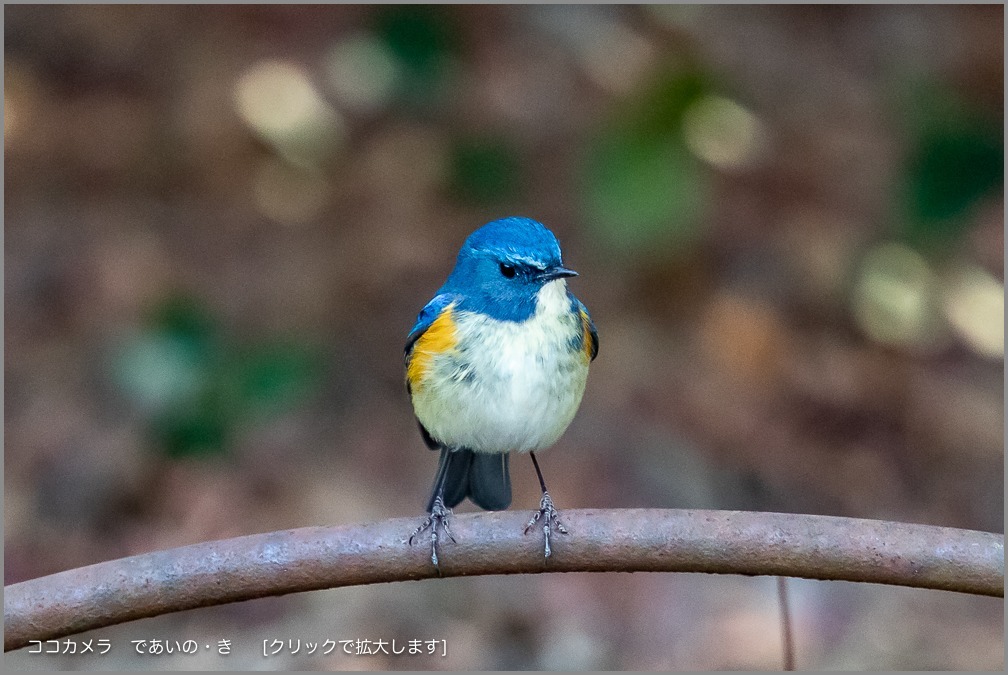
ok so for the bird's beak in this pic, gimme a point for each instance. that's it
(556, 273)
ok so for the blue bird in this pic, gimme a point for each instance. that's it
(496, 363)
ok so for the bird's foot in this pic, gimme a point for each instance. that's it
(438, 517)
(550, 518)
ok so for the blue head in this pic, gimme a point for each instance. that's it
(503, 265)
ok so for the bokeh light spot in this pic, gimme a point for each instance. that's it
(157, 370)
(363, 73)
(723, 133)
(614, 55)
(973, 301)
(12, 114)
(25, 107)
(279, 103)
(895, 297)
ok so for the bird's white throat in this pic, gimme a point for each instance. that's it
(552, 300)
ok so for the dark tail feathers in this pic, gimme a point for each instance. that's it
(483, 477)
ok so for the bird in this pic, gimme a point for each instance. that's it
(497, 363)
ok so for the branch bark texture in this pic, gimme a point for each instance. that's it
(620, 540)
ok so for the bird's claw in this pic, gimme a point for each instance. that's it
(551, 520)
(438, 516)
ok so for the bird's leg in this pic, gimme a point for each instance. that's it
(438, 516)
(548, 512)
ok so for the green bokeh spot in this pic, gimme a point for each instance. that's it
(198, 428)
(485, 170)
(640, 193)
(158, 370)
(950, 171)
(274, 377)
(423, 39)
(658, 111)
(185, 319)
(197, 388)
(643, 192)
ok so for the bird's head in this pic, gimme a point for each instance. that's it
(503, 266)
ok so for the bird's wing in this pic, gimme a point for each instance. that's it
(427, 316)
(416, 359)
(590, 334)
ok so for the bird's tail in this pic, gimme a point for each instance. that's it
(483, 477)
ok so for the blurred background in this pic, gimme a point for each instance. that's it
(221, 223)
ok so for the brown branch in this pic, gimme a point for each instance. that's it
(623, 540)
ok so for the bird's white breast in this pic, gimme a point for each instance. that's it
(507, 386)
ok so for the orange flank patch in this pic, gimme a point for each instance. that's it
(587, 343)
(441, 336)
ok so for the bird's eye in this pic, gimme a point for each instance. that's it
(507, 270)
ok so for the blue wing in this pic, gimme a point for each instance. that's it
(424, 319)
(592, 347)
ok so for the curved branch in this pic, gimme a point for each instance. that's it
(623, 540)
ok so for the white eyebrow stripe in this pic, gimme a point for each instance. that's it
(525, 260)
